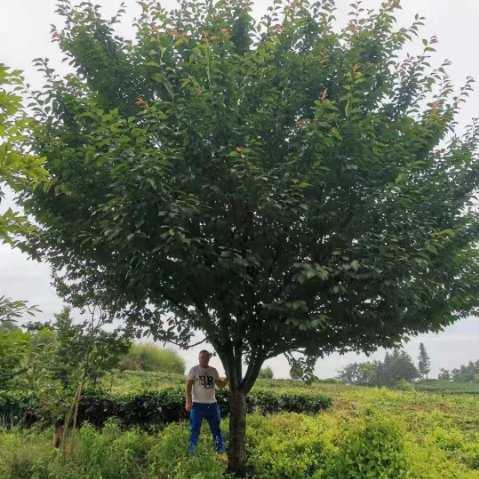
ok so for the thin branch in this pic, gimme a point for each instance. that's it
(189, 346)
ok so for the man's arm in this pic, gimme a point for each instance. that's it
(189, 387)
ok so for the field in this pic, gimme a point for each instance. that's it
(448, 387)
(366, 433)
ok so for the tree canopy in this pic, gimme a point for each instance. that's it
(397, 366)
(17, 168)
(424, 363)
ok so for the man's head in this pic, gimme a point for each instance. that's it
(204, 358)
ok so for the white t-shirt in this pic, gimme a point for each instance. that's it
(204, 383)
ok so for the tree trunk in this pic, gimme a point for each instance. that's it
(237, 449)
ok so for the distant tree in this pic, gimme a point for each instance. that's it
(466, 373)
(266, 373)
(150, 357)
(424, 363)
(444, 374)
(295, 373)
(365, 374)
(396, 366)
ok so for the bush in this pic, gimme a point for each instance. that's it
(13, 348)
(404, 385)
(18, 408)
(456, 446)
(149, 357)
(266, 373)
(106, 454)
(287, 445)
(154, 409)
(169, 457)
(25, 454)
(269, 402)
(371, 448)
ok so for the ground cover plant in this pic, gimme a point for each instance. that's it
(368, 432)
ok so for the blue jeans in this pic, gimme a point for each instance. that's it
(211, 412)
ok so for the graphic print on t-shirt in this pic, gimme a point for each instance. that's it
(207, 381)
(203, 390)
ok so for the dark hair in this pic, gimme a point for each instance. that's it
(205, 351)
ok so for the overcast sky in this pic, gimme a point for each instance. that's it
(25, 34)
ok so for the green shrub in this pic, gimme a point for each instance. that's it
(13, 348)
(266, 373)
(25, 454)
(456, 446)
(149, 357)
(108, 454)
(18, 408)
(169, 457)
(153, 409)
(372, 448)
(472, 454)
(404, 385)
(287, 445)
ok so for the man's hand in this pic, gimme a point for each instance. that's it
(222, 382)
(189, 399)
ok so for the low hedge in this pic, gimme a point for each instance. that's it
(18, 408)
(152, 409)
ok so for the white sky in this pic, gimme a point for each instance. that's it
(25, 35)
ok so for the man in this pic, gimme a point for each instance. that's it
(201, 401)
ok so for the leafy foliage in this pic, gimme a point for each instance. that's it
(11, 310)
(45, 363)
(17, 169)
(266, 373)
(13, 345)
(285, 445)
(149, 357)
(373, 449)
(151, 410)
(424, 363)
(396, 367)
(465, 373)
(277, 185)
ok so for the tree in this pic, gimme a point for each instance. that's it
(84, 351)
(281, 186)
(295, 373)
(444, 375)
(13, 347)
(363, 374)
(424, 363)
(466, 373)
(16, 170)
(75, 356)
(266, 373)
(397, 366)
